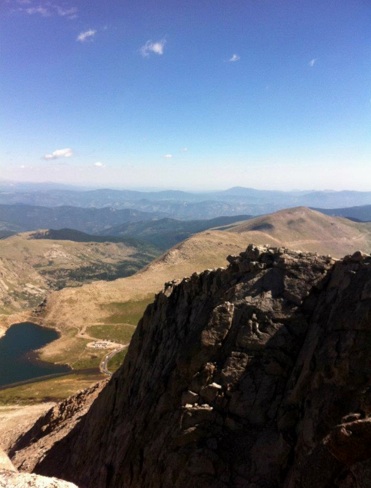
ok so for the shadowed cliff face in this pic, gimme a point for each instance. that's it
(254, 376)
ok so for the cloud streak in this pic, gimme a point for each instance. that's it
(59, 153)
(151, 47)
(312, 62)
(44, 12)
(86, 36)
(47, 10)
(70, 13)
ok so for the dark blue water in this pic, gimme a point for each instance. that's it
(17, 360)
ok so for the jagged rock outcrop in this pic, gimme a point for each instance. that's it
(255, 376)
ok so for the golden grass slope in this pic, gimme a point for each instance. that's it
(307, 230)
(87, 305)
(298, 228)
(29, 268)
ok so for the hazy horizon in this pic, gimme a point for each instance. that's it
(187, 95)
(190, 189)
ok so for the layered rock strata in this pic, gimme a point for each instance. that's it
(253, 376)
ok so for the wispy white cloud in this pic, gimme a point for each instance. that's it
(151, 47)
(168, 156)
(98, 164)
(43, 11)
(70, 13)
(184, 149)
(86, 36)
(48, 9)
(59, 153)
(234, 58)
(312, 62)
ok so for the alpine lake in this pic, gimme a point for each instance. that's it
(18, 360)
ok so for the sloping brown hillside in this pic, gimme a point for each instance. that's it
(83, 306)
(30, 267)
(307, 230)
(299, 228)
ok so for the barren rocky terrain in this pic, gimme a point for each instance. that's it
(245, 376)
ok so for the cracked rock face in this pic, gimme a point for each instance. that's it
(253, 376)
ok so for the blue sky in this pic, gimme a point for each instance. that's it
(199, 94)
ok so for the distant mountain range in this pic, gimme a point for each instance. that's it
(165, 233)
(179, 204)
(102, 224)
(21, 217)
(360, 214)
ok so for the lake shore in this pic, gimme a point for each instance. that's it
(7, 321)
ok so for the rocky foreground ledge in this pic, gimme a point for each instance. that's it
(254, 376)
(10, 478)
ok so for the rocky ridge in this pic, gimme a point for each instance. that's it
(254, 376)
